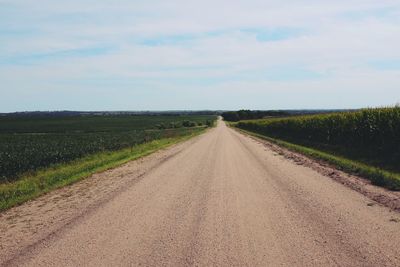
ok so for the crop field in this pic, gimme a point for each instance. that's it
(371, 136)
(30, 143)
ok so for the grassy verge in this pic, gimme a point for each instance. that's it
(41, 182)
(377, 176)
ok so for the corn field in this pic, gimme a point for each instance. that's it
(372, 135)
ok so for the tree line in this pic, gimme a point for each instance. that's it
(246, 114)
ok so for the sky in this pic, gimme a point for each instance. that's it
(181, 55)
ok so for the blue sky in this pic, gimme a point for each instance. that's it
(158, 55)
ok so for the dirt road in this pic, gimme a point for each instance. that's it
(223, 199)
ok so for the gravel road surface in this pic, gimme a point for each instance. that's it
(220, 199)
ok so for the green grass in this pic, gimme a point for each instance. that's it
(43, 181)
(377, 176)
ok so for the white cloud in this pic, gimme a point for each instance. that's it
(218, 56)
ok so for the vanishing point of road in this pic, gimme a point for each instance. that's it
(225, 200)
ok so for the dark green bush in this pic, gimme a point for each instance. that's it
(187, 123)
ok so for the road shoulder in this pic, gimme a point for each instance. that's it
(377, 195)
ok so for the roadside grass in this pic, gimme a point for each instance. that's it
(377, 176)
(40, 182)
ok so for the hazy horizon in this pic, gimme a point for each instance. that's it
(177, 110)
(191, 55)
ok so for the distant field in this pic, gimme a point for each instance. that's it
(28, 143)
(369, 136)
(86, 124)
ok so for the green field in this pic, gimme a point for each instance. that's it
(370, 137)
(31, 143)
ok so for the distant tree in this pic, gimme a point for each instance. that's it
(246, 114)
(230, 116)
